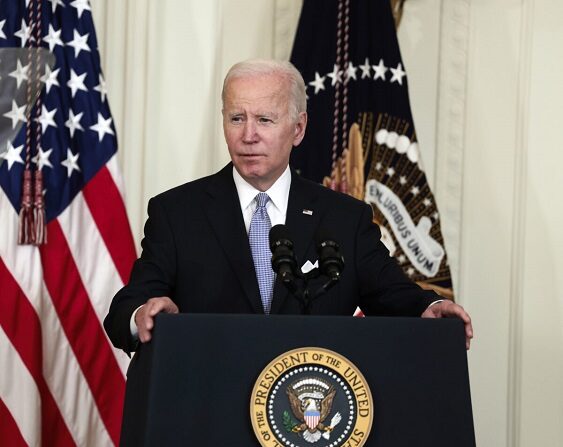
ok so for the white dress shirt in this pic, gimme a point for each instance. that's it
(276, 206)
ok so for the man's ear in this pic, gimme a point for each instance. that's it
(300, 127)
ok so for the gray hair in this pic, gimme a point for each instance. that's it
(254, 67)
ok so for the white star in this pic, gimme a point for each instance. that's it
(46, 118)
(335, 75)
(80, 6)
(379, 70)
(79, 43)
(76, 82)
(390, 172)
(2, 35)
(101, 87)
(42, 158)
(55, 3)
(23, 33)
(398, 74)
(415, 190)
(102, 127)
(401, 259)
(12, 154)
(351, 71)
(73, 122)
(402, 180)
(20, 73)
(410, 271)
(378, 166)
(53, 38)
(435, 215)
(365, 69)
(427, 202)
(16, 114)
(318, 83)
(50, 78)
(70, 163)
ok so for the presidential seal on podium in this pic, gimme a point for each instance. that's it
(311, 397)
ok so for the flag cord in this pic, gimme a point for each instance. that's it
(340, 118)
(38, 200)
(336, 115)
(32, 211)
(343, 177)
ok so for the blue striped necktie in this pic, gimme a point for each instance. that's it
(258, 236)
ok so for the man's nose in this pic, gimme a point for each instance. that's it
(249, 135)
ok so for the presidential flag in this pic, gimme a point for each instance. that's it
(61, 382)
(360, 136)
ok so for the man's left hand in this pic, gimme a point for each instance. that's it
(448, 309)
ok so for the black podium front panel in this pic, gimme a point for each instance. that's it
(192, 384)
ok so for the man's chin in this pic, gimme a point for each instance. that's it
(251, 170)
(257, 179)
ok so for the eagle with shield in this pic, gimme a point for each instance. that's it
(311, 403)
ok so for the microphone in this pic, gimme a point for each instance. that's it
(331, 262)
(283, 258)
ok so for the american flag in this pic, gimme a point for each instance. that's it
(61, 382)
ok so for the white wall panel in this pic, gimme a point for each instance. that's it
(542, 313)
(488, 207)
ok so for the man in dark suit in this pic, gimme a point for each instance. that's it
(203, 240)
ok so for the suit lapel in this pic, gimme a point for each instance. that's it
(302, 219)
(225, 217)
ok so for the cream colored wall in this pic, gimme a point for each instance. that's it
(497, 163)
(541, 287)
(485, 81)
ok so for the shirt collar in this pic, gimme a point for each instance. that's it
(278, 192)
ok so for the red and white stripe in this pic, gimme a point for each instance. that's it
(61, 382)
(312, 419)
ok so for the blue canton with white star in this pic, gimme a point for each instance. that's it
(77, 132)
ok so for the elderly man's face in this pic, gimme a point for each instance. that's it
(258, 128)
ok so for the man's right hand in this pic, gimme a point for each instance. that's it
(144, 318)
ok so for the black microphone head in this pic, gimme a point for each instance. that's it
(283, 259)
(331, 262)
(279, 233)
(323, 239)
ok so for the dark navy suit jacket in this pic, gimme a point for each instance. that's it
(196, 251)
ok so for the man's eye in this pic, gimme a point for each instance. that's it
(265, 120)
(236, 119)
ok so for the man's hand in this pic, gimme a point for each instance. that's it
(447, 309)
(144, 319)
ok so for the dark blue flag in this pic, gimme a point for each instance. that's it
(360, 135)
